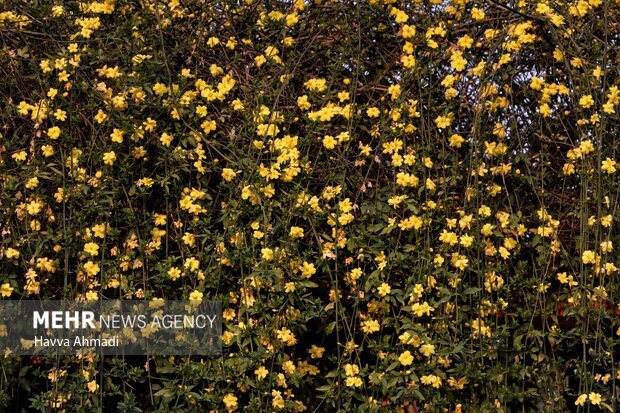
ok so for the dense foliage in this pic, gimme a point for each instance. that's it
(403, 205)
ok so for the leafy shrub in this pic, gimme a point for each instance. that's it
(404, 205)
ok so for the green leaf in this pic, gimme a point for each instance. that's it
(324, 389)
(308, 284)
(165, 393)
(471, 290)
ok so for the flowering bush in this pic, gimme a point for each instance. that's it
(403, 205)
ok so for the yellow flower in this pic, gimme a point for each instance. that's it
(581, 400)
(33, 208)
(91, 248)
(93, 386)
(406, 359)
(230, 401)
(318, 85)
(316, 352)
(351, 370)
(229, 314)
(268, 190)
(607, 246)
(307, 269)
(109, 158)
(160, 89)
(465, 42)
(267, 254)
(448, 237)
(117, 136)
(608, 107)
(296, 232)
(228, 174)
(6, 290)
(466, 240)
(568, 169)
(563, 278)
(407, 31)
(588, 257)
(609, 166)
(456, 140)
(174, 273)
(20, 156)
(166, 139)
(586, 101)
(354, 381)
(329, 142)
(384, 289)
(260, 60)
(192, 264)
(24, 107)
(261, 372)
(303, 103)
(55, 374)
(370, 326)
(292, 19)
(400, 16)
(189, 239)
(422, 309)
(606, 220)
(432, 380)
(53, 132)
(405, 179)
(595, 398)
(427, 350)
(148, 182)
(101, 116)
(443, 121)
(91, 268)
(267, 129)
(48, 150)
(457, 384)
(196, 295)
(289, 367)
(408, 61)
(61, 115)
(149, 124)
(457, 61)
(286, 336)
(11, 253)
(372, 112)
(477, 14)
(119, 102)
(160, 219)
(99, 230)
